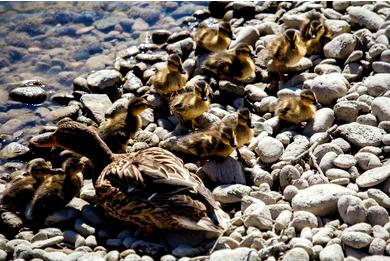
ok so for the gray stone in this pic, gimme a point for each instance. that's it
(329, 87)
(296, 254)
(62, 215)
(377, 84)
(320, 199)
(247, 34)
(332, 252)
(356, 239)
(96, 105)
(227, 172)
(28, 94)
(241, 253)
(323, 120)
(104, 79)
(366, 160)
(379, 196)
(335, 173)
(232, 88)
(344, 161)
(373, 176)
(257, 215)
(73, 238)
(231, 193)
(13, 151)
(303, 219)
(341, 46)
(337, 27)
(381, 108)
(351, 209)
(82, 228)
(269, 149)
(381, 67)
(377, 215)
(298, 146)
(92, 215)
(361, 135)
(365, 17)
(355, 56)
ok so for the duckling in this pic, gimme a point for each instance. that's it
(191, 105)
(244, 129)
(217, 143)
(314, 33)
(234, 65)
(21, 189)
(297, 109)
(56, 190)
(121, 124)
(286, 50)
(213, 39)
(171, 77)
(150, 187)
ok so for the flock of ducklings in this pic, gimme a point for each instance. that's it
(151, 187)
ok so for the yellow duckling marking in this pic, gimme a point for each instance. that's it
(297, 109)
(214, 39)
(314, 33)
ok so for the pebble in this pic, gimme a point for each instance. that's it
(344, 161)
(13, 151)
(296, 254)
(351, 209)
(303, 219)
(381, 108)
(361, 135)
(377, 247)
(332, 252)
(60, 216)
(363, 16)
(241, 253)
(377, 215)
(269, 149)
(73, 238)
(373, 176)
(103, 80)
(82, 228)
(341, 46)
(377, 84)
(356, 239)
(227, 172)
(29, 94)
(257, 215)
(320, 199)
(329, 87)
(231, 193)
(323, 120)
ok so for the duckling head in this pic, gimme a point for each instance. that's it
(202, 90)
(316, 28)
(175, 64)
(38, 168)
(244, 49)
(308, 96)
(245, 117)
(137, 105)
(228, 136)
(226, 30)
(293, 37)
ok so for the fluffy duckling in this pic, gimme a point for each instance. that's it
(286, 50)
(297, 109)
(314, 33)
(21, 189)
(191, 105)
(213, 39)
(244, 129)
(121, 124)
(212, 143)
(171, 77)
(56, 190)
(234, 65)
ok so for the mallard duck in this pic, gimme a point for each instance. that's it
(297, 109)
(56, 190)
(189, 106)
(21, 189)
(234, 65)
(286, 50)
(171, 77)
(120, 125)
(213, 39)
(314, 33)
(150, 187)
(216, 143)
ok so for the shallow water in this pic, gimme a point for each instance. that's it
(57, 41)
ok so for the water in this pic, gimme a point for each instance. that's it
(57, 41)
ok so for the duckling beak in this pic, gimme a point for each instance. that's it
(205, 98)
(318, 105)
(233, 36)
(43, 140)
(250, 124)
(181, 70)
(233, 143)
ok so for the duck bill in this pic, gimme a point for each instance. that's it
(181, 70)
(205, 98)
(43, 140)
(250, 125)
(233, 143)
(232, 36)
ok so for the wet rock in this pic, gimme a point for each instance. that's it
(31, 94)
(320, 199)
(377, 84)
(269, 149)
(361, 135)
(227, 172)
(14, 150)
(351, 209)
(329, 87)
(231, 193)
(96, 104)
(104, 79)
(365, 17)
(70, 111)
(341, 46)
(373, 176)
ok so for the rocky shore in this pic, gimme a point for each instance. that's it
(318, 192)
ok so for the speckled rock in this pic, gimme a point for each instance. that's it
(269, 149)
(377, 84)
(361, 135)
(341, 46)
(303, 219)
(332, 252)
(356, 239)
(296, 254)
(344, 161)
(104, 79)
(257, 215)
(329, 87)
(351, 209)
(14, 150)
(241, 253)
(320, 199)
(365, 17)
(28, 94)
(96, 105)
(366, 160)
(381, 108)
(373, 176)
(231, 193)
(323, 120)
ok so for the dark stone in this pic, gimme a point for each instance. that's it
(160, 36)
(217, 8)
(32, 91)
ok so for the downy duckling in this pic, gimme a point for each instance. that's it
(297, 109)
(234, 65)
(189, 106)
(21, 189)
(119, 126)
(212, 143)
(171, 77)
(213, 39)
(286, 50)
(244, 129)
(56, 190)
(314, 33)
